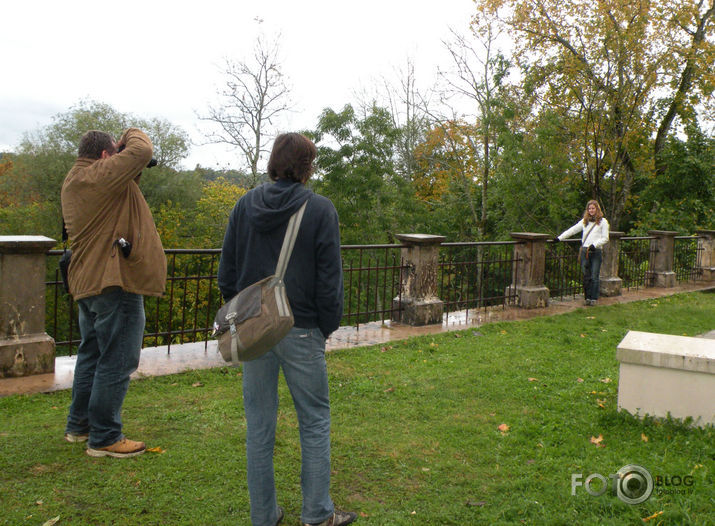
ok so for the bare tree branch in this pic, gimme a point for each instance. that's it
(255, 94)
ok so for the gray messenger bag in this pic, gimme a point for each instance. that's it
(258, 317)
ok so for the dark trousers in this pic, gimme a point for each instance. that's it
(591, 269)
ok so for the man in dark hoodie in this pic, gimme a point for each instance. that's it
(314, 284)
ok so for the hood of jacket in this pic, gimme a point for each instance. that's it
(270, 205)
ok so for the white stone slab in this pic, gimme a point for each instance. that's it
(666, 350)
(661, 374)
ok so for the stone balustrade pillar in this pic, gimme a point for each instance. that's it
(706, 254)
(662, 250)
(609, 282)
(528, 271)
(419, 304)
(25, 347)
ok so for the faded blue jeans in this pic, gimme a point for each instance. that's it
(301, 355)
(591, 268)
(112, 329)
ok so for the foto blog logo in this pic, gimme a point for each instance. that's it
(632, 484)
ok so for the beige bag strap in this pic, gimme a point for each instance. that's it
(289, 241)
(588, 234)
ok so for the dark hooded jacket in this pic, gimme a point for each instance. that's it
(253, 240)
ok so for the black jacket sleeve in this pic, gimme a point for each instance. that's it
(329, 273)
(227, 268)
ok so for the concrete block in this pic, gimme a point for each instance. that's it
(662, 374)
(34, 354)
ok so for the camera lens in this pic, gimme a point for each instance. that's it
(635, 484)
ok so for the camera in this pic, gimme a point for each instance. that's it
(125, 246)
(151, 164)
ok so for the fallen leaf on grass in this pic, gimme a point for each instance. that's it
(583, 336)
(597, 441)
(606, 380)
(39, 503)
(502, 332)
(601, 403)
(197, 384)
(389, 390)
(156, 450)
(52, 521)
(533, 379)
(363, 514)
(479, 503)
(503, 428)
(644, 438)
(656, 514)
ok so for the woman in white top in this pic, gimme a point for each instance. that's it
(594, 228)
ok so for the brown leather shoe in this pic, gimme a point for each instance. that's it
(123, 448)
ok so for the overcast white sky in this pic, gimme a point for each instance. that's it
(160, 58)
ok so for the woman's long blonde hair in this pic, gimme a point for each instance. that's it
(587, 216)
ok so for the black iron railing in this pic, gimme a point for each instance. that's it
(634, 262)
(687, 258)
(476, 275)
(372, 275)
(469, 276)
(562, 272)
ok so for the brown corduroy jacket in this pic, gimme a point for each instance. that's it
(101, 202)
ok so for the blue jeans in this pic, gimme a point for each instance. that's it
(591, 268)
(301, 355)
(112, 329)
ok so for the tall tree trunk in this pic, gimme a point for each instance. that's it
(686, 81)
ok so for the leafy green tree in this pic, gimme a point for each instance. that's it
(213, 210)
(533, 185)
(616, 71)
(683, 198)
(45, 156)
(161, 185)
(356, 170)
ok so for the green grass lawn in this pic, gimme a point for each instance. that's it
(416, 435)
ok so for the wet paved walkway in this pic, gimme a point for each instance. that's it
(156, 361)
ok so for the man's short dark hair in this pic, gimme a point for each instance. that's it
(292, 158)
(94, 142)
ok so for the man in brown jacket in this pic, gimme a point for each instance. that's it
(117, 259)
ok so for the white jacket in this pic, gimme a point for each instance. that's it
(593, 234)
